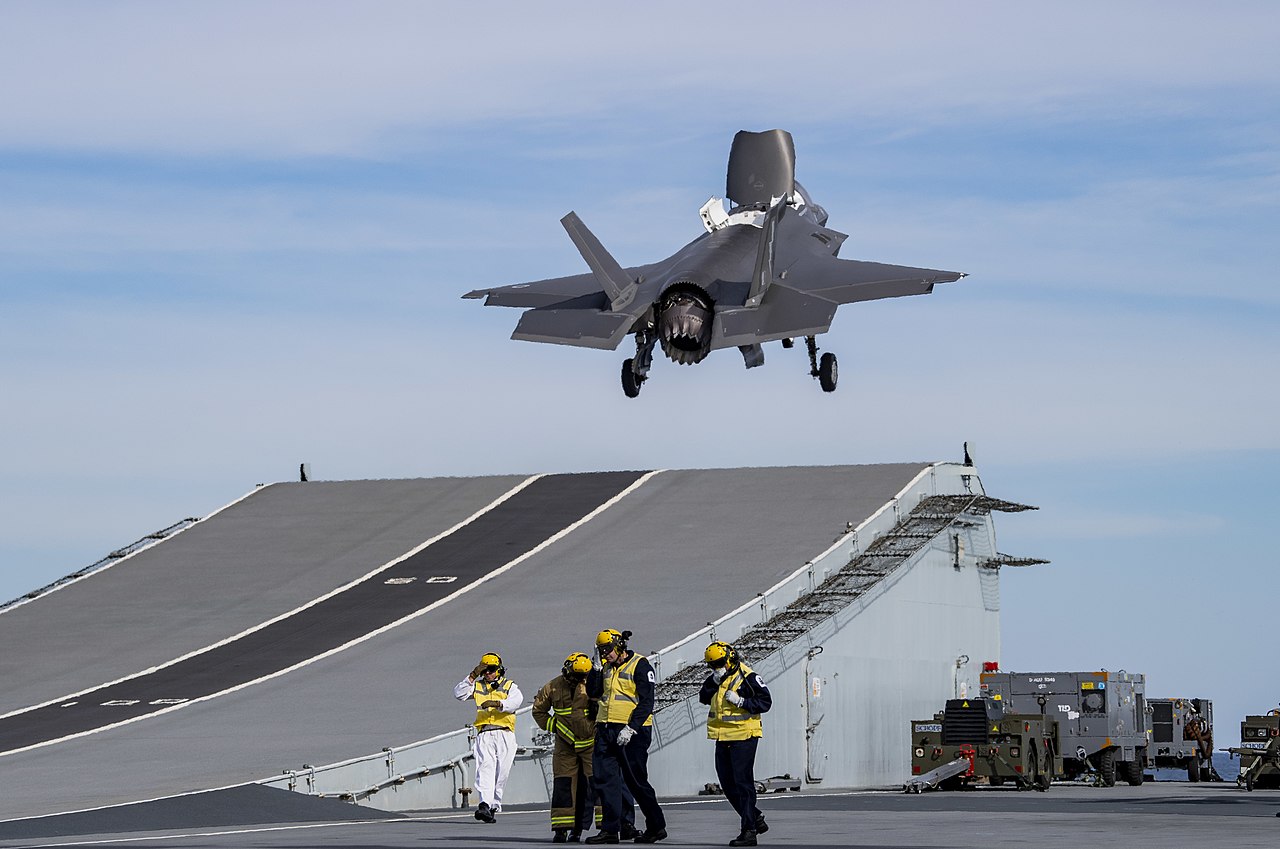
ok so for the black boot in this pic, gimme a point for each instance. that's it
(648, 836)
(575, 837)
(761, 825)
(484, 813)
(603, 837)
(747, 838)
(629, 832)
(561, 835)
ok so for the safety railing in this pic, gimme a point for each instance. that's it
(688, 651)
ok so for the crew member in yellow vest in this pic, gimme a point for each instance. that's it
(736, 697)
(497, 698)
(563, 707)
(624, 729)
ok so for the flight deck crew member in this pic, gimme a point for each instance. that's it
(497, 698)
(736, 697)
(563, 707)
(624, 730)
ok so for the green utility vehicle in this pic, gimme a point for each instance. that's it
(1259, 751)
(972, 739)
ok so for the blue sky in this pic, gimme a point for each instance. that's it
(233, 238)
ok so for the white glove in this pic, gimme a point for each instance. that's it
(718, 674)
(733, 698)
(625, 735)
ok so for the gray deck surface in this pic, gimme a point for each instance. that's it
(277, 549)
(685, 548)
(1168, 815)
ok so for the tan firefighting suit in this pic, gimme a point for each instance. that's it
(563, 708)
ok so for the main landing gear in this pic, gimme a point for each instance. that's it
(635, 370)
(826, 370)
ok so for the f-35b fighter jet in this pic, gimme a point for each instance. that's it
(765, 270)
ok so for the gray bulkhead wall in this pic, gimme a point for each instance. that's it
(896, 656)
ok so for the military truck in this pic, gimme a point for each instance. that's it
(1259, 751)
(973, 739)
(1102, 717)
(1182, 737)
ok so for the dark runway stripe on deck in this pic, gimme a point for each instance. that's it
(542, 509)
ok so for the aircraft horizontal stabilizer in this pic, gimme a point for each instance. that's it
(581, 328)
(847, 281)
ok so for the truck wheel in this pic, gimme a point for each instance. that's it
(1106, 763)
(1133, 773)
(1193, 770)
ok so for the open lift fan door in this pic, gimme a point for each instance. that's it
(762, 166)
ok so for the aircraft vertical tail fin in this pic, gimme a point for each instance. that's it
(608, 273)
(763, 275)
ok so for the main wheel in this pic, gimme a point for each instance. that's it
(630, 383)
(1193, 770)
(828, 372)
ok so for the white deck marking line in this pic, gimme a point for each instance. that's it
(490, 506)
(455, 594)
(104, 567)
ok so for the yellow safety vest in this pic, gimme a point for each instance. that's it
(620, 696)
(727, 721)
(483, 692)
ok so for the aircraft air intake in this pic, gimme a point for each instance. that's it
(684, 324)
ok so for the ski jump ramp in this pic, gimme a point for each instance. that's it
(307, 636)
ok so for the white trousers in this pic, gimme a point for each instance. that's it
(494, 752)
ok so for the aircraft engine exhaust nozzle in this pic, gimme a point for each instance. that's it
(684, 324)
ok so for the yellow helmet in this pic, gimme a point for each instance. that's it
(494, 661)
(576, 665)
(611, 639)
(720, 654)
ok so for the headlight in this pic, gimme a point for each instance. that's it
(919, 752)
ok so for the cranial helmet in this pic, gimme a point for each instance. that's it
(494, 662)
(576, 665)
(611, 639)
(720, 654)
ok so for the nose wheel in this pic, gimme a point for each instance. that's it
(827, 369)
